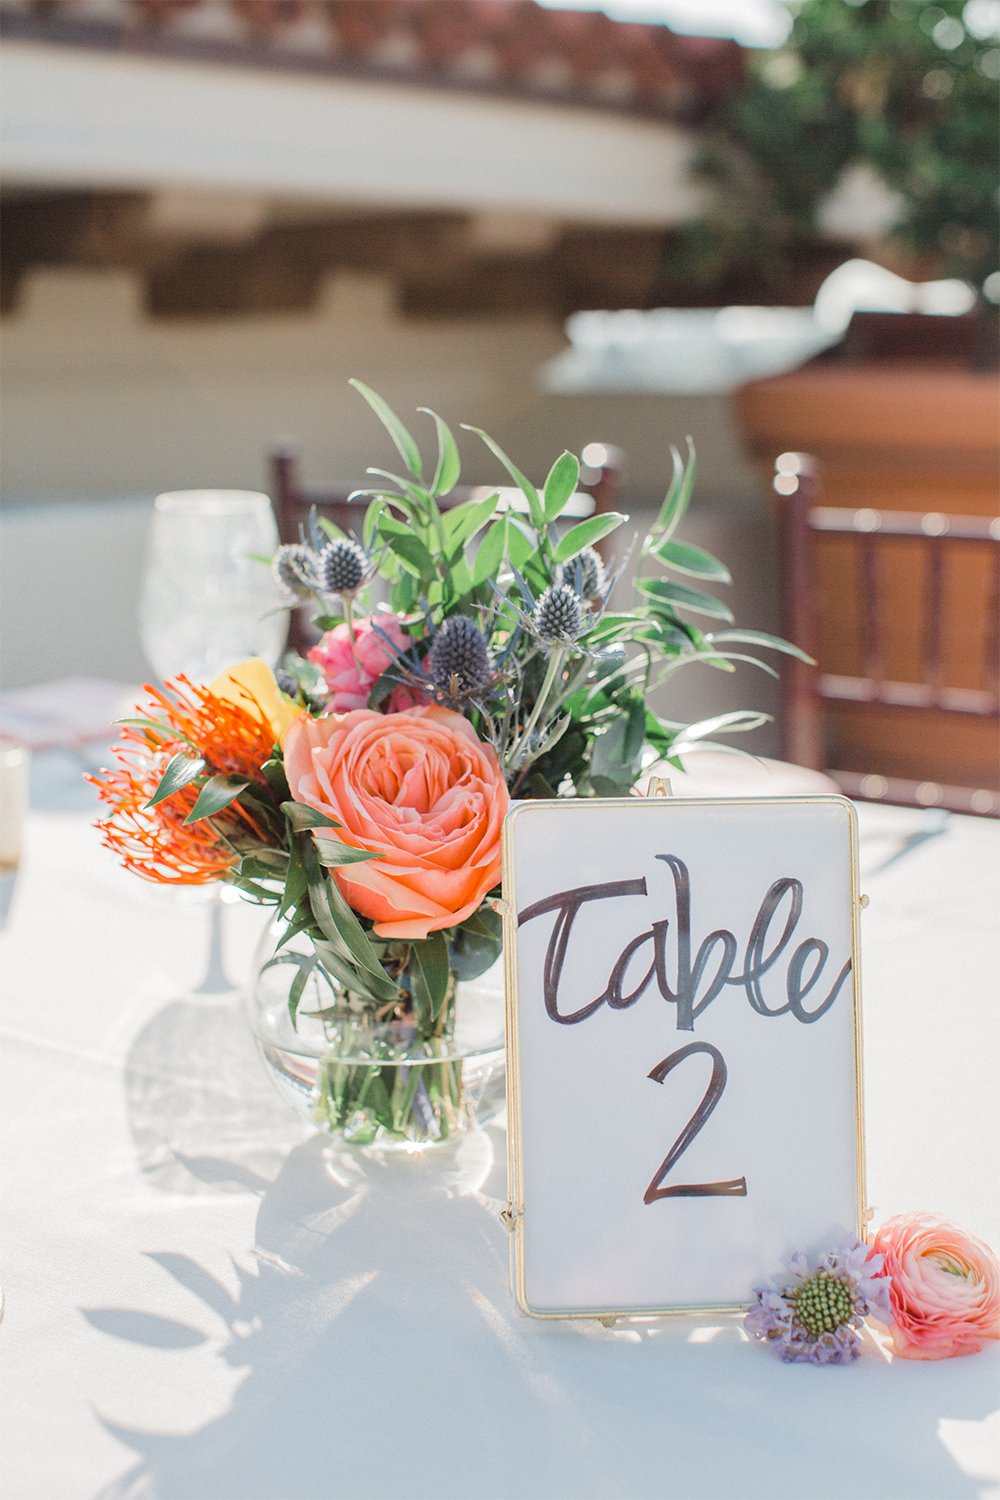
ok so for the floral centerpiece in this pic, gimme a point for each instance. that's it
(467, 654)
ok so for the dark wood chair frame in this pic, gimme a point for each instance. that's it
(807, 689)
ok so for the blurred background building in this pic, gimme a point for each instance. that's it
(563, 224)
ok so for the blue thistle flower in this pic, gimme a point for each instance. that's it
(294, 570)
(558, 616)
(459, 660)
(342, 567)
(585, 573)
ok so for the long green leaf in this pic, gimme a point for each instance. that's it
(524, 485)
(216, 794)
(687, 559)
(462, 522)
(560, 484)
(181, 771)
(449, 465)
(760, 638)
(491, 552)
(586, 533)
(679, 596)
(412, 554)
(678, 496)
(431, 974)
(302, 817)
(407, 448)
(332, 854)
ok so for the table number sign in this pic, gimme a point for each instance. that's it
(684, 1090)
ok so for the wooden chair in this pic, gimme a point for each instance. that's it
(891, 571)
(600, 480)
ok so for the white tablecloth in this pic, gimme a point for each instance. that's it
(200, 1306)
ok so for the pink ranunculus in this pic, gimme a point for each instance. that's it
(351, 673)
(945, 1292)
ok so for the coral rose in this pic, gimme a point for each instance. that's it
(945, 1292)
(420, 790)
(350, 673)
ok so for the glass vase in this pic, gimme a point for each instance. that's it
(367, 1077)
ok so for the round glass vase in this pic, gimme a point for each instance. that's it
(371, 1080)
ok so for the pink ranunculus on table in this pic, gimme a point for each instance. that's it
(945, 1292)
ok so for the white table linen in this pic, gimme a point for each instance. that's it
(200, 1304)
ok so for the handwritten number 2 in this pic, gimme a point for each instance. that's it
(737, 1188)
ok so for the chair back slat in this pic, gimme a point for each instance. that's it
(869, 573)
(933, 650)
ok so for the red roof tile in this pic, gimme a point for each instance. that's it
(512, 46)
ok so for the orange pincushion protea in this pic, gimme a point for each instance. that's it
(155, 842)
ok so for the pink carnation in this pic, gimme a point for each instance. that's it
(945, 1292)
(351, 673)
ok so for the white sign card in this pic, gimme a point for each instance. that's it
(684, 1091)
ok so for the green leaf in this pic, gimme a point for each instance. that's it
(462, 522)
(687, 559)
(738, 721)
(678, 496)
(560, 484)
(491, 552)
(617, 754)
(586, 533)
(524, 485)
(759, 638)
(181, 771)
(476, 945)
(680, 597)
(414, 556)
(296, 882)
(332, 854)
(216, 794)
(449, 466)
(301, 817)
(430, 976)
(521, 547)
(407, 448)
(154, 727)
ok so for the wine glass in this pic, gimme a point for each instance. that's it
(207, 601)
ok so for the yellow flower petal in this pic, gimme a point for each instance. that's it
(252, 685)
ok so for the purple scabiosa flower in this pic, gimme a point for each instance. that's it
(814, 1313)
